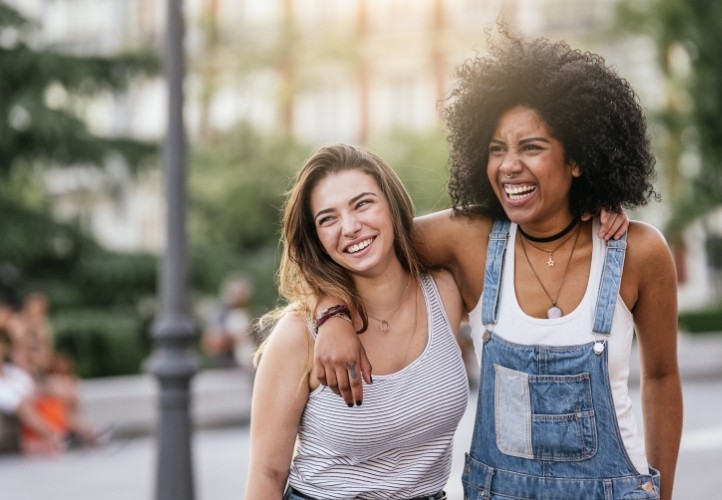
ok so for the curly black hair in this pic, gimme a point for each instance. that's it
(590, 109)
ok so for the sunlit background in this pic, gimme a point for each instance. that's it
(82, 102)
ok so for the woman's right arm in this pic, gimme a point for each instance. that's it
(280, 392)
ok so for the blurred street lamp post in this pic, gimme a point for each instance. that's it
(173, 361)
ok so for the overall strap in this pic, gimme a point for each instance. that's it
(609, 285)
(492, 275)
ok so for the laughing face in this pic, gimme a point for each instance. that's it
(529, 172)
(353, 221)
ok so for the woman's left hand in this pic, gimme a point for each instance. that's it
(614, 223)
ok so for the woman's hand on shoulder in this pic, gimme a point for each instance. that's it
(614, 223)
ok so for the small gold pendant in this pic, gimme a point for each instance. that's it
(550, 262)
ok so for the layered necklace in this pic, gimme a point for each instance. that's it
(554, 311)
(550, 253)
(384, 323)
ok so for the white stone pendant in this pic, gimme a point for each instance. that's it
(554, 312)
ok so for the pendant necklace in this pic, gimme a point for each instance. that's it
(554, 311)
(550, 260)
(384, 323)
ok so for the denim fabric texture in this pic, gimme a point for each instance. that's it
(546, 427)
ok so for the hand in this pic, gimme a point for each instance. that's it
(614, 223)
(340, 360)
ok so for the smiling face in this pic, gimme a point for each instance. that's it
(353, 221)
(529, 172)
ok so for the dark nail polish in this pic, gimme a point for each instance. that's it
(358, 403)
(350, 405)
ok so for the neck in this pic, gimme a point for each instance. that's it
(380, 294)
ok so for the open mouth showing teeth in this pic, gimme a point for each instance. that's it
(518, 191)
(359, 246)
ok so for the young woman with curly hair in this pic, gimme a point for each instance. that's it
(541, 134)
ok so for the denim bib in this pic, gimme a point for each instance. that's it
(546, 426)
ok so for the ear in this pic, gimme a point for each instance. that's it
(576, 171)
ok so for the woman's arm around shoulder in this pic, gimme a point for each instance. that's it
(280, 392)
(457, 243)
(651, 266)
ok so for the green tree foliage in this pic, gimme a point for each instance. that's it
(237, 185)
(420, 158)
(96, 295)
(43, 89)
(691, 30)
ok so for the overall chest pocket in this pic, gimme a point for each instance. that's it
(544, 417)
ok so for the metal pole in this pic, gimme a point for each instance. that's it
(173, 361)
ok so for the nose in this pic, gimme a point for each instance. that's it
(351, 226)
(510, 164)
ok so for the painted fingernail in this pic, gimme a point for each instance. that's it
(358, 402)
(371, 379)
(350, 405)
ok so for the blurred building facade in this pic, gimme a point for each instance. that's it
(318, 70)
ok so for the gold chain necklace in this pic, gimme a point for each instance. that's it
(550, 260)
(384, 323)
(554, 311)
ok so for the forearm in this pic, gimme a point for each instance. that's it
(662, 409)
(265, 484)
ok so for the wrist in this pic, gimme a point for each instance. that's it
(335, 311)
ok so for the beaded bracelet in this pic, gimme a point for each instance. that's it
(337, 311)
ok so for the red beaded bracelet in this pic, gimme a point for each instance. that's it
(337, 311)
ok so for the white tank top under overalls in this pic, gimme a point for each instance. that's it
(531, 427)
(398, 443)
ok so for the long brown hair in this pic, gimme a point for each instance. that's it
(306, 270)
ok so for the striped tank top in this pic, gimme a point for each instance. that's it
(398, 444)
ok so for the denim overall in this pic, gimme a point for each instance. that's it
(546, 426)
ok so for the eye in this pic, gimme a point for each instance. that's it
(532, 147)
(363, 203)
(324, 221)
(495, 149)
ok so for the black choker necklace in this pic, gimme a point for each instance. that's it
(553, 237)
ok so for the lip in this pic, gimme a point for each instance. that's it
(359, 244)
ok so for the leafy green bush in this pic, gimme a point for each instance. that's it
(102, 342)
(704, 321)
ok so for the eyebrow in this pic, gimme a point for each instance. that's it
(526, 140)
(350, 202)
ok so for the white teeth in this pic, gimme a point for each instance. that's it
(359, 246)
(518, 191)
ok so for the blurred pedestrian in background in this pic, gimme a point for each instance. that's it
(53, 395)
(228, 340)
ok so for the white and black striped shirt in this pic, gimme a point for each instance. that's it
(398, 443)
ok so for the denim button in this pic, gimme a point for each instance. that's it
(486, 336)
